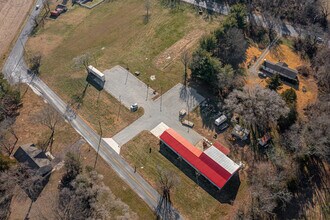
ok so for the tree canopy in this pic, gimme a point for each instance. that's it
(257, 107)
(204, 66)
(231, 46)
(274, 83)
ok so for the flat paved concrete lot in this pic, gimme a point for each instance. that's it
(124, 86)
(127, 88)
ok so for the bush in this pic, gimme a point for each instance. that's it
(304, 71)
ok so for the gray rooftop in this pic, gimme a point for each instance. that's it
(34, 157)
(282, 69)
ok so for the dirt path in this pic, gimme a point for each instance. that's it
(12, 15)
(175, 51)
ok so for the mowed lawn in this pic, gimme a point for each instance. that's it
(192, 201)
(114, 33)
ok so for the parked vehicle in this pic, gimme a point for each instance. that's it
(222, 119)
(223, 126)
(134, 107)
(262, 75)
(58, 10)
(187, 123)
(240, 133)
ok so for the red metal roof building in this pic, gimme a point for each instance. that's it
(221, 148)
(212, 163)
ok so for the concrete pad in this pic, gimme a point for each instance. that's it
(113, 144)
(127, 88)
(159, 129)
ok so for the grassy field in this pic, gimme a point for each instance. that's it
(115, 33)
(190, 199)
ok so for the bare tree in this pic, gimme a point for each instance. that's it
(259, 108)
(167, 180)
(8, 140)
(321, 65)
(46, 6)
(268, 188)
(39, 20)
(34, 63)
(50, 118)
(7, 186)
(271, 25)
(311, 139)
(82, 61)
(23, 177)
(185, 59)
(325, 9)
(86, 197)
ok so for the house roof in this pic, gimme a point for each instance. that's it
(212, 164)
(34, 157)
(282, 69)
(221, 148)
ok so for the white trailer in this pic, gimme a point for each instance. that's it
(96, 72)
(220, 120)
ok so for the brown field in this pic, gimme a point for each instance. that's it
(29, 130)
(12, 16)
(251, 53)
(284, 53)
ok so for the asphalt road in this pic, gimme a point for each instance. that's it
(221, 8)
(15, 70)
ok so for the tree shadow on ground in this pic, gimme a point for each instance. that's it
(34, 189)
(226, 195)
(312, 182)
(146, 19)
(183, 93)
(276, 51)
(207, 113)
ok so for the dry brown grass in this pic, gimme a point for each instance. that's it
(30, 131)
(285, 54)
(251, 53)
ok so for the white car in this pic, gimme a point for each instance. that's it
(37, 7)
(262, 75)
